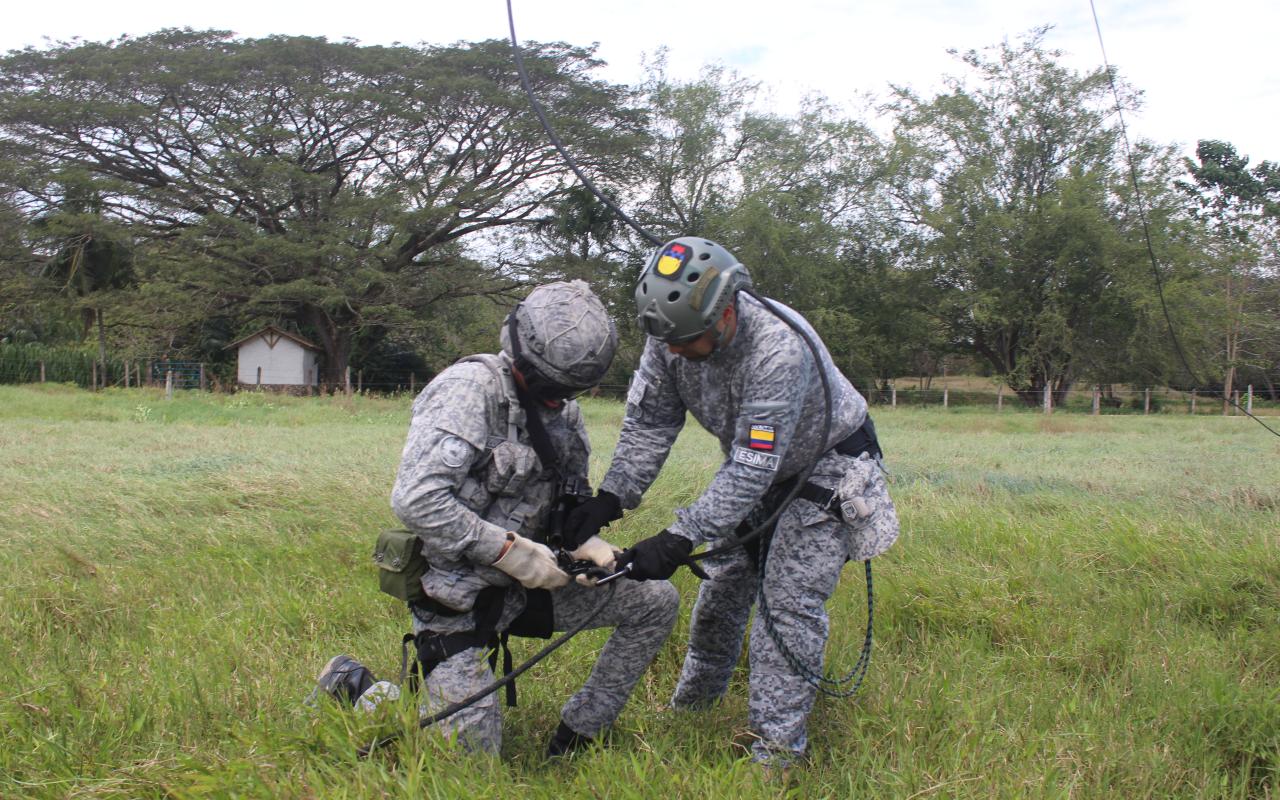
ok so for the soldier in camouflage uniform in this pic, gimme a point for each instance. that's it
(751, 381)
(472, 485)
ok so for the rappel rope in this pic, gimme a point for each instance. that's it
(802, 670)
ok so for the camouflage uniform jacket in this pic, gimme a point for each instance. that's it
(760, 395)
(469, 474)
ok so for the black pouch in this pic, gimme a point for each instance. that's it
(401, 565)
(537, 621)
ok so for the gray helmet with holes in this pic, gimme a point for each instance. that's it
(685, 287)
(563, 333)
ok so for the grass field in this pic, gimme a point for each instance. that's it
(1078, 607)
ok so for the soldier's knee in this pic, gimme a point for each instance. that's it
(665, 603)
(653, 604)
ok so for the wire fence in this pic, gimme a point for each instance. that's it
(40, 364)
(1099, 399)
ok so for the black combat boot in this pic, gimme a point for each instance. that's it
(565, 741)
(345, 679)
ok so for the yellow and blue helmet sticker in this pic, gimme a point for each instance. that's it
(672, 260)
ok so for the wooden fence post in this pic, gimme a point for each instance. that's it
(1000, 397)
(126, 374)
(203, 383)
(259, 385)
(411, 387)
(893, 396)
(149, 370)
(1097, 400)
(1048, 399)
(360, 382)
(1146, 400)
(95, 376)
(1248, 404)
(42, 372)
(1193, 401)
(168, 385)
(945, 397)
(348, 381)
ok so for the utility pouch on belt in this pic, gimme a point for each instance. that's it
(401, 565)
(866, 509)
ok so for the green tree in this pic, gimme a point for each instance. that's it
(326, 184)
(1012, 191)
(1240, 206)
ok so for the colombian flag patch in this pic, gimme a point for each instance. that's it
(761, 437)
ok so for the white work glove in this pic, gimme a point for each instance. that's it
(533, 564)
(598, 552)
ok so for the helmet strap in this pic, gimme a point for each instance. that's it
(536, 385)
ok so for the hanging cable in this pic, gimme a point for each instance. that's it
(1146, 230)
(555, 140)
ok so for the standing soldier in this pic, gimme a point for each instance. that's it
(752, 382)
(495, 443)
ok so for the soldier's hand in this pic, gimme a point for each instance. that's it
(532, 564)
(656, 558)
(589, 517)
(598, 552)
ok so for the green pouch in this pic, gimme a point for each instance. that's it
(401, 565)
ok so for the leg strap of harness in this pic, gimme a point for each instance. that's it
(436, 648)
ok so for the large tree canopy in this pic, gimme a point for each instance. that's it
(325, 183)
(1013, 189)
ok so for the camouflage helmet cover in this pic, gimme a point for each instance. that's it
(685, 287)
(564, 333)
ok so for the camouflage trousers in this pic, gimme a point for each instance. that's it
(807, 554)
(641, 614)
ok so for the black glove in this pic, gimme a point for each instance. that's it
(658, 557)
(589, 517)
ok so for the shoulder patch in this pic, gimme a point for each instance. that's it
(753, 458)
(454, 451)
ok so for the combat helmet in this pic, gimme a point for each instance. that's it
(561, 339)
(685, 287)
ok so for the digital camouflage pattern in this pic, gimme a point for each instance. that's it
(761, 396)
(867, 509)
(565, 333)
(764, 377)
(467, 475)
(806, 556)
(641, 614)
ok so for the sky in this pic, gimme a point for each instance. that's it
(1207, 69)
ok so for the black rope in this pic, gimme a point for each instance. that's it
(1146, 230)
(823, 683)
(454, 708)
(804, 474)
(555, 140)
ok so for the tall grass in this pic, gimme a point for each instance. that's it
(1079, 607)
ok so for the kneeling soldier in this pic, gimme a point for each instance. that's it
(495, 444)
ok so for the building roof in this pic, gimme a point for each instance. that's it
(272, 331)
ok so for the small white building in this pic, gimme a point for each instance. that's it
(276, 359)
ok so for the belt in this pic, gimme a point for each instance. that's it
(863, 440)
